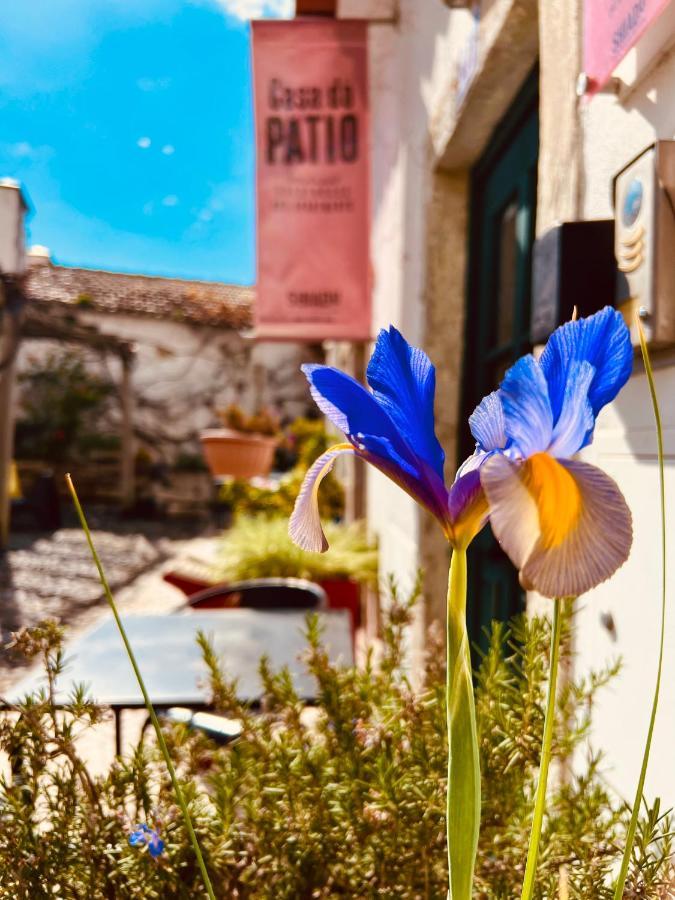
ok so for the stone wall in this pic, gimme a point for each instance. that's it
(183, 374)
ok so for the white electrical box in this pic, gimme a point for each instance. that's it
(644, 242)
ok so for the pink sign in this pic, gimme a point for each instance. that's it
(311, 106)
(611, 28)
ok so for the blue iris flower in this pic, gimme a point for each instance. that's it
(144, 836)
(392, 427)
(564, 523)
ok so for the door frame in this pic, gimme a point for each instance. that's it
(513, 125)
(525, 101)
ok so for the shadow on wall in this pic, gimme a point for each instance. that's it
(633, 410)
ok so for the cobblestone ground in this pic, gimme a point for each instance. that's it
(53, 576)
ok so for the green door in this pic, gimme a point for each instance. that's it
(503, 203)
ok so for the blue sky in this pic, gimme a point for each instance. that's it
(129, 123)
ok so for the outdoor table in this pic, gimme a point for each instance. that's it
(171, 661)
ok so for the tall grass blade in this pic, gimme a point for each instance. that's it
(151, 712)
(632, 828)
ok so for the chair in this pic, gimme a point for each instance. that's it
(219, 728)
(262, 593)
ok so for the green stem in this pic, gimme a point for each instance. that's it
(463, 797)
(540, 800)
(632, 827)
(151, 712)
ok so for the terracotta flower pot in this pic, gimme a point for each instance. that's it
(237, 453)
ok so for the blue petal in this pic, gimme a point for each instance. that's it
(403, 380)
(348, 405)
(419, 480)
(468, 507)
(574, 427)
(155, 845)
(474, 462)
(603, 340)
(527, 410)
(487, 423)
(382, 449)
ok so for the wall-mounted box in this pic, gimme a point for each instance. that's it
(572, 266)
(644, 196)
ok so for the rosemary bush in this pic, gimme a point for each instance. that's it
(345, 800)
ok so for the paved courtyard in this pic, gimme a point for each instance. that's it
(53, 576)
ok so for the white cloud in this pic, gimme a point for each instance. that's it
(257, 9)
(223, 196)
(168, 149)
(170, 200)
(22, 149)
(153, 84)
(26, 152)
(144, 142)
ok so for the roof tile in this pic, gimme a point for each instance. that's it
(195, 302)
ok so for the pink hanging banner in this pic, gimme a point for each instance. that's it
(311, 112)
(611, 28)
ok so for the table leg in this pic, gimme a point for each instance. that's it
(118, 730)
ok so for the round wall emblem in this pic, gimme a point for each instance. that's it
(632, 203)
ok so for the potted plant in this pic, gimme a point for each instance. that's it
(244, 447)
(259, 547)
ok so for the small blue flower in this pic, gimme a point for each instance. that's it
(144, 836)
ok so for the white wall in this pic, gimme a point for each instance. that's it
(406, 66)
(615, 131)
(625, 448)
(183, 374)
(413, 68)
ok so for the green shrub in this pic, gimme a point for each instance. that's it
(63, 406)
(261, 548)
(349, 804)
(303, 441)
(245, 498)
(261, 422)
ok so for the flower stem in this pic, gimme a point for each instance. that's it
(151, 712)
(540, 799)
(463, 797)
(632, 827)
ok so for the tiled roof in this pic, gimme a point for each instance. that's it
(195, 302)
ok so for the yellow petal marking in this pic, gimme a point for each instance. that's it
(556, 495)
(473, 518)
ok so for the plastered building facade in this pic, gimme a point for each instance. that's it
(463, 101)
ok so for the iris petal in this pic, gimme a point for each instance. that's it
(475, 461)
(403, 380)
(304, 526)
(527, 410)
(420, 480)
(514, 517)
(468, 508)
(565, 525)
(487, 423)
(603, 340)
(348, 405)
(574, 428)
